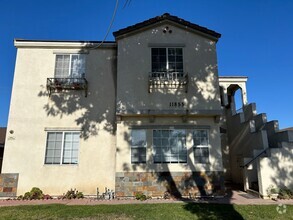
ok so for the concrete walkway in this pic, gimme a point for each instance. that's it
(234, 197)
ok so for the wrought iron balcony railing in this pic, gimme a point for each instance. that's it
(61, 84)
(170, 80)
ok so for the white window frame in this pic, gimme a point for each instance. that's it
(69, 75)
(178, 154)
(167, 58)
(62, 147)
(138, 147)
(200, 146)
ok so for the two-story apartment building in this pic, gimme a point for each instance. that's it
(139, 114)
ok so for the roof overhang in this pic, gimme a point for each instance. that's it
(231, 79)
(22, 43)
(166, 18)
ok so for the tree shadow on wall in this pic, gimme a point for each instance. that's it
(93, 113)
(282, 174)
(204, 206)
(96, 112)
(177, 187)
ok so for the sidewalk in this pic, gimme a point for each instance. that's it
(235, 197)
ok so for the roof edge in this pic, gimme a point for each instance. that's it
(18, 43)
(233, 78)
(169, 17)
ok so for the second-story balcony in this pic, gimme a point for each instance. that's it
(61, 84)
(168, 80)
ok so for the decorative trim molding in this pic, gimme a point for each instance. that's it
(169, 112)
(72, 51)
(165, 45)
(159, 126)
(62, 129)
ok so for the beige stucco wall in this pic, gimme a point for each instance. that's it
(32, 111)
(133, 98)
(276, 170)
(134, 65)
(123, 161)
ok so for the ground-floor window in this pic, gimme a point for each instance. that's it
(138, 146)
(200, 146)
(62, 147)
(169, 146)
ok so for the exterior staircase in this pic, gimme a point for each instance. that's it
(260, 154)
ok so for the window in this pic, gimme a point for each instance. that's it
(138, 146)
(201, 146)
(70, 66)
(167, 60)
(169, 146)
(62, 148)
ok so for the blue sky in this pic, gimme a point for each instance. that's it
(256, 38)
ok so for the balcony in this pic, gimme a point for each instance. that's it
(168, 80)
(61, 84)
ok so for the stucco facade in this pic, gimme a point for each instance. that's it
(33, 113)
(153, 108)
(144, 113)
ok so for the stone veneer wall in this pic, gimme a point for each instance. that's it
(8, 184)
(178, 184)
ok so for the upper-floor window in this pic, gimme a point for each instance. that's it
(70, 66)
(69, 74)
(62, 147)
(167, 60)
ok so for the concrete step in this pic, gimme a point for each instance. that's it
(253, 193)
(284, 136)
(260, 121)
(272, 127)
(249, 111)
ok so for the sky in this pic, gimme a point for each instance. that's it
(256, 38)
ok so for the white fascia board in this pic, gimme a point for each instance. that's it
(233, 78)
(57, 44)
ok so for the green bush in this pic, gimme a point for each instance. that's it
(272, 190)
(73, 194)
(140, 196)
(20, 197)
(285, 193)
(35, 193)
(79, 195)
(27, 196)
(167, 195)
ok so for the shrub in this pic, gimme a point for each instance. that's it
(272, 190)
(79, 195)
(140, 196)
(73, 194)
(285, 194)
(36, 193)
(167, 195)
(47, 196)
(27, 196)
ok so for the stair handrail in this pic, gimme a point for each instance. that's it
(253, 159)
